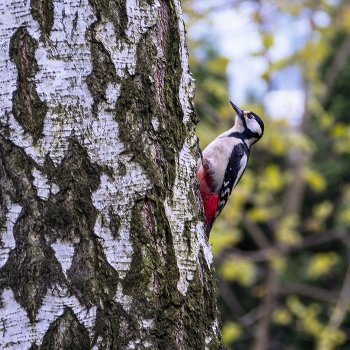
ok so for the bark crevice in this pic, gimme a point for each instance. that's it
(28, 109)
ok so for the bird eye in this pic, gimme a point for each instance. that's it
(250, 116)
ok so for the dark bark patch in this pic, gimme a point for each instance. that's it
(91, 278)
(31, 272)
(28, 109)
(166, 277)
(71, 212)
(140, 272)
(16, 177)
(147, 213)
(187, 235)
(31, 268)
(159, 155)
(103, 71)
(148, 2)
(167, 272)
(200, 309)
(75, 21)
(6, 189)
(43, 13)
(114, 12)
(114, 224)
(109, 325)
(3, 209)
(66, 333)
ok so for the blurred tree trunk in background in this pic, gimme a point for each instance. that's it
(102, 233)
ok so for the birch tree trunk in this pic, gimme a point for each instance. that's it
(102, 233)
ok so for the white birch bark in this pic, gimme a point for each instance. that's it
(99, 249)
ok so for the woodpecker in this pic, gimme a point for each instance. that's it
(223, 161)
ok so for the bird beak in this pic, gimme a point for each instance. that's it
(238, 111)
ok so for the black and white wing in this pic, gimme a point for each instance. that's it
(234, 171)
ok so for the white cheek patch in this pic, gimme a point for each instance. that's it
(253, 126)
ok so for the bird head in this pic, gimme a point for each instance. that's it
(248, 124)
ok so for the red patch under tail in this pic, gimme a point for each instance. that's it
(210, 199)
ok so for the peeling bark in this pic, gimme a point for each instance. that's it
(102, 242)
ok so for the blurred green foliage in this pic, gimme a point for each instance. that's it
(281, 245)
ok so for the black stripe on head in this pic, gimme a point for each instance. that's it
(259, 120)
(251, 135)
